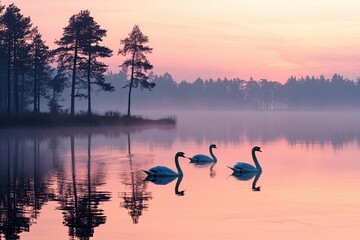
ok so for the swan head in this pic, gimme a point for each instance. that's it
(257, 149)
(213, 146)
(180, 154)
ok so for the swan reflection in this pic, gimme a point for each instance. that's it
(247, 176)
(167, 180)
(211, 166)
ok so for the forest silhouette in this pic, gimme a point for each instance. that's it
(305, 93)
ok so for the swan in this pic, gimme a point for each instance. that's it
(203, 158)
(161, 171)
(241, 167)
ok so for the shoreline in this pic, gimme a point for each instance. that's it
(48, 120)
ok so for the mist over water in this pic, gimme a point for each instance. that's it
(88, 183)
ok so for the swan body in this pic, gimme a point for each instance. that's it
(162, 171)
(204, 158)
(241, 167)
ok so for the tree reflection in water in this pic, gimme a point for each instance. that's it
(28, 180)
(135, 200)
(23, 189)
(80, 201)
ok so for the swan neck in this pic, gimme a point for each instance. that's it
(180, 172)
(212, 154)
(257, 164)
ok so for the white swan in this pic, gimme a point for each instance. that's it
(203, 158)
(161, 171)
(241, 167)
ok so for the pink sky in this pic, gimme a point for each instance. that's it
(233, 38)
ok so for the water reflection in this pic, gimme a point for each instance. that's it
(23, 190)
(75, 169)
(29, 179)
(247, 176)
(80, 201)
(296, 127)
(135, 200)
(211, 165)
(177, 185)
(166, 181)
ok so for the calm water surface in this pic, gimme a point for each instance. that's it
(88, 183)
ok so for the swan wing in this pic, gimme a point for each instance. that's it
(245, 167)
(201, 158)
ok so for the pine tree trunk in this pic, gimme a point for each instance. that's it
(88, 82)
(35, 83)
(129, 98)
(74, 79)
(9, 78)
(22, 91)
(131, 83)
(16, 86)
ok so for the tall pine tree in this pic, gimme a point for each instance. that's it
(91, 37)
(41, 58)
(137, 63)
(78, 53)
(16, 30)
(68, 53)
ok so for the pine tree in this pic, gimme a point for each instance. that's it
(68, 53)
(57, 85)
(16, 29)
(41, 58)
(78, 53)
(2, 62)
(134, 45)
(90, 47)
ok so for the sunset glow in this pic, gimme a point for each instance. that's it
(232, 38)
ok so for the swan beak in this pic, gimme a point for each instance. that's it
(260, 150)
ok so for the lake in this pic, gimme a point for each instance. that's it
(88, 183)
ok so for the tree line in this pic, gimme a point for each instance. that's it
(304, 93)
(27, 72)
